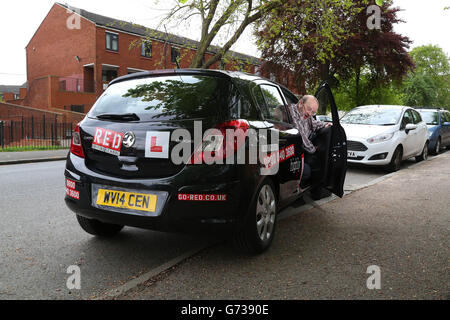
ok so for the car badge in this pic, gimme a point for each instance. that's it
(129, 139)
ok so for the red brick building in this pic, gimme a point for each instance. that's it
(75, 53)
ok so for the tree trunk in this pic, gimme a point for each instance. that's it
(357, 80)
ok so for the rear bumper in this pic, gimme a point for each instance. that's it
(187, 214)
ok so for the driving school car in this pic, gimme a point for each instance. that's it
(154, 152)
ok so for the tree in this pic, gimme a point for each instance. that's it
(351, 52)
(345, 95)
(304, 40)
(429, 84)
(237, 15)
(420, 90)
(215, 15)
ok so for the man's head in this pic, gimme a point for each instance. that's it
(308, 106)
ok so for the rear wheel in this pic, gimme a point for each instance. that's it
(257, 234)
(424, 154)
(98, 228)
(396, 160)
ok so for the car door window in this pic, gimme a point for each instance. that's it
(407, 118)
(275, 108)
(447, 117)
(290, 98)
(416, 117)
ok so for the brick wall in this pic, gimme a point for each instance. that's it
(53, 48)
(10, 111)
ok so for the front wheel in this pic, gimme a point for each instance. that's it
(437, 149)
(98, 228)
(257, 234)
(396, 160)
(424, 154)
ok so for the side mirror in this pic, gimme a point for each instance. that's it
(410, 127)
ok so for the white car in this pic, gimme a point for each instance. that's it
(385, 135)
(324, 118)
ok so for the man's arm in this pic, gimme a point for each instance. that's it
(317, 125)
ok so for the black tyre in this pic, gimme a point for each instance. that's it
(257, 234)
(437, 148)
(424, 154)
(396, 160)
(98, 228)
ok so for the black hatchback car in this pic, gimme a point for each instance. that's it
(139, 158)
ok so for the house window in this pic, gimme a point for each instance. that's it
(77, 108)
(109, 75)
(146, 49)
(174, 54)
(112, 41)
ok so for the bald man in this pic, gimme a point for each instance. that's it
(302, 114)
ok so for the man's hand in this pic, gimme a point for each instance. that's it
(329, 124)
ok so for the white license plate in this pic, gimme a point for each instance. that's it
(351, 154)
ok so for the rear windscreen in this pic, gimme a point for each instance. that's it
(430, 117)
(175, 97)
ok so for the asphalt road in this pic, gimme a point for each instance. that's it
(40, 238)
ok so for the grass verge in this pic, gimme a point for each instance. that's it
(31, 148)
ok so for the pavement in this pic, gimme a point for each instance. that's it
(7, 158)
(389, 240)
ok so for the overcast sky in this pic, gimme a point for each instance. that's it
(426, 23)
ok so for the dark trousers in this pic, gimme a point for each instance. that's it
(306, 175)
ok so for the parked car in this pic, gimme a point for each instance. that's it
(323, 118)
(385, 135)
(120, 171)
(438, 122)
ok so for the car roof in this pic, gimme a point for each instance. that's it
(191, 71)
(430, 109)
(381, 106)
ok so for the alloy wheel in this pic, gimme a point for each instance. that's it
(265, 213)
(438, 146)
(425, 152)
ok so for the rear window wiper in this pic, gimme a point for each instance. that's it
(122, 117)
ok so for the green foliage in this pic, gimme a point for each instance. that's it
(345, 94)
(431, 60)
(31, 148)
(322, 25)
(420, 90)
(429, 84)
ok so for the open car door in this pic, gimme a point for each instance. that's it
(337, 153)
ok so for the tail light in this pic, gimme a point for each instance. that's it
(75, 146)
(226, 148)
